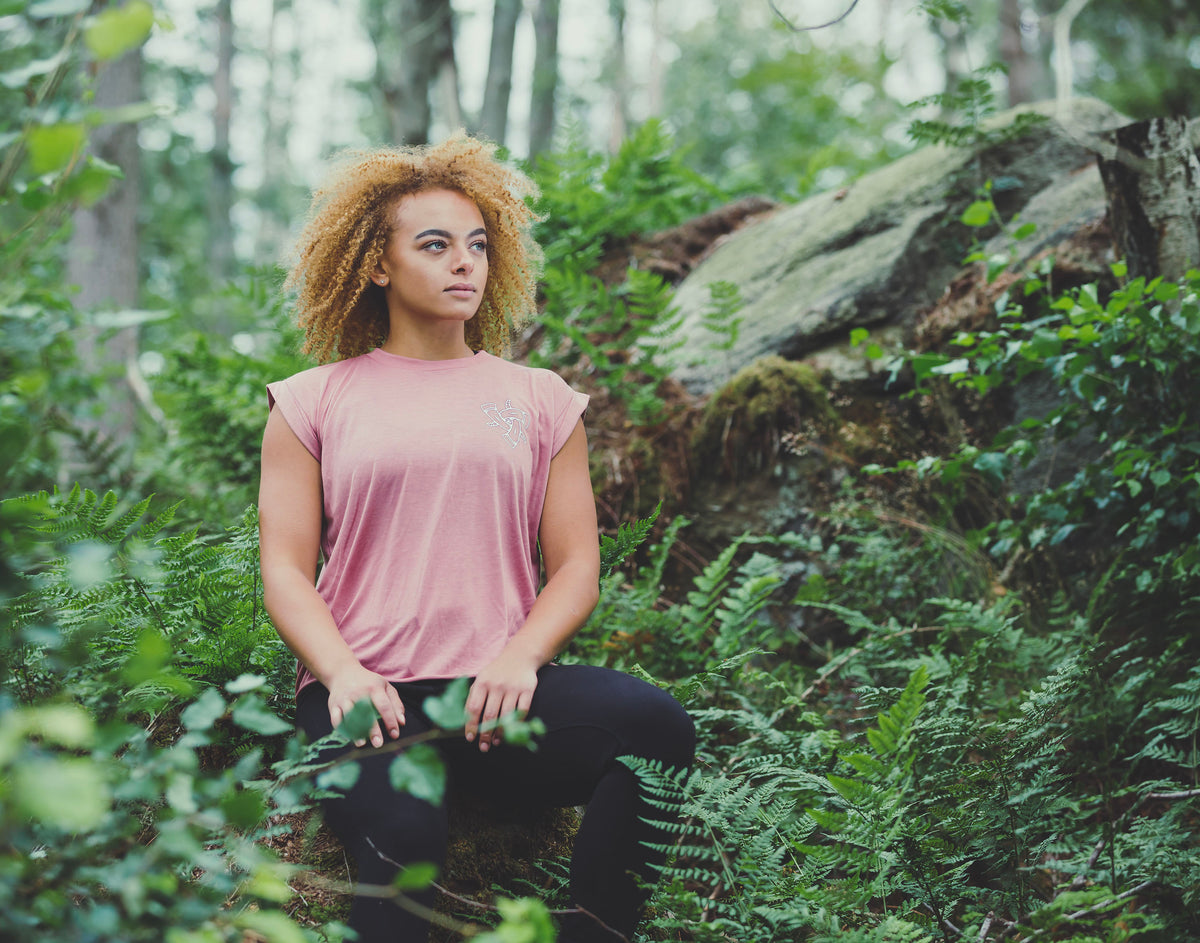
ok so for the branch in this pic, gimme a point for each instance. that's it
(804, 29)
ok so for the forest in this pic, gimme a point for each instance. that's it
(946, 685)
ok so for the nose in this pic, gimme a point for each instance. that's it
(463, 262)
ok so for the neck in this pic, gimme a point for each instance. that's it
(420, 345)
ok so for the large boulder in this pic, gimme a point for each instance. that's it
(879, 252)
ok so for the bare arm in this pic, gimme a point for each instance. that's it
(571, 554)
(289, 519)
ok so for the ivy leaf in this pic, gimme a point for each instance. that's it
(70, 793)
(416, 877)
(449, 709)
(51, 146)
(977, 214)
(115, 31)
(253, 714)
(340, 777)
(420, 772)
(205, 711)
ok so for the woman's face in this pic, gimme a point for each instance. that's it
(434, 266)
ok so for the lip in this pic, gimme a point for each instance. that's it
(462, 288)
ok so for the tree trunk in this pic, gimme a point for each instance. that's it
(1017, 61)
(619, 76)
(542, 117)
(493, 119)
(408, 47)
(1153, 188)
(449, 107)
(272, 229)
(103, 256)
(220, 202)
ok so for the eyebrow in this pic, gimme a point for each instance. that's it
(446, 235)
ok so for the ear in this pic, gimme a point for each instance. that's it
(379, 276)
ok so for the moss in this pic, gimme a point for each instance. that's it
(744, 425)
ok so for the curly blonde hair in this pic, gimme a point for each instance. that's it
(341, 311)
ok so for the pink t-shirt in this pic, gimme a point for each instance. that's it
(433, 475)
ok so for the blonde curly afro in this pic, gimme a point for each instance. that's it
(341, 311)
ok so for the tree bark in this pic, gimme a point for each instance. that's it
(1017, 61)
(493, 118)
(103, 255)
(619, 77)
(220, 203)
(449, 102)
(542, 115)
(1152, 181)
(409, 56)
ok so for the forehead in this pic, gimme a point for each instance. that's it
(437, 209)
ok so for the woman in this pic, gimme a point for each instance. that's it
(433, 479)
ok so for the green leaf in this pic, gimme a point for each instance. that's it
(117, 30)
(70, 794)
(420, 772)
(47, 9)
(977, 214)
(416, 877)
(52, 146)
(357, 721)
(273, 925)
(449, 709)
(245, 683)
(243, 808)
(858, 335)
(19, 78)
(64, 724)
(252, 713)
(340, 777)
(205, 711)
(1025, 231)
(961, 365)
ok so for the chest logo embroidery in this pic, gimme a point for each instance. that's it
(512, 421)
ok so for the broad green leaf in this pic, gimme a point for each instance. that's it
(416, 877)
(243, 808)
(70, 793)
(19, 78)
(205, 711)
(272, 925)
(245, 683)
(51, 146)
(1025, 231)
(420, 772)
(449, 709)
(268, 885)
(251, 713)
(340, 777)
(977, 214)
(116, 30)
(961, 365)
(47, 9)
(357, 722)
(64, 724)
(858, 335)
(124, 114)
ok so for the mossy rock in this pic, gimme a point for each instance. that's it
(747, 422)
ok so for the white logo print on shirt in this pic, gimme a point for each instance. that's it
(512, 419)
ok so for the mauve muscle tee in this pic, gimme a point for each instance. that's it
(433, 475)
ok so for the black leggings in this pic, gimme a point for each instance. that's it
(592, 716)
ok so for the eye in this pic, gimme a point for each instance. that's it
(480, 245)
(436, 244)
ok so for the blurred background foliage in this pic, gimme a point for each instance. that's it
(155, 158)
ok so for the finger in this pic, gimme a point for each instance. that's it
(476, 699)
(387, 714)
(491, 712)
(523, 702)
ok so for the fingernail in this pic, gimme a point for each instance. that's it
(377, 741)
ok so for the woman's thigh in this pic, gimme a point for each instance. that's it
(592, 716)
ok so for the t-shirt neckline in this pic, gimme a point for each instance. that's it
(416, 363)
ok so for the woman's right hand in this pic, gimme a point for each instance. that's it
(355, 683)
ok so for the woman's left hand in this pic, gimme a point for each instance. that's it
(506, 685)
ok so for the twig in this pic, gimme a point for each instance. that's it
(1088, 911)
(1081, 879)
(804, 29)
(841, 660)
